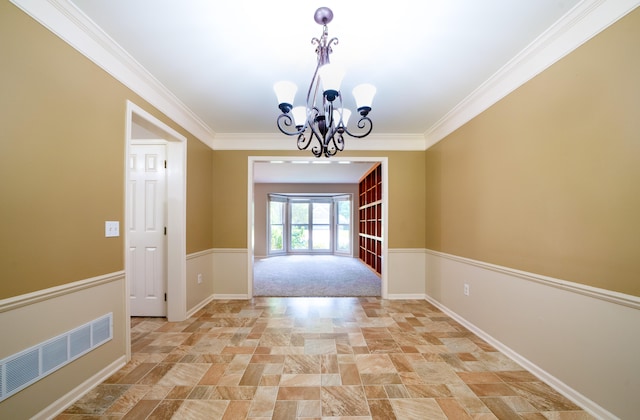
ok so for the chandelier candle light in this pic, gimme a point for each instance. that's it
(323, 119)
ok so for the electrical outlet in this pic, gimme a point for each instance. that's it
(466, 289)
(199, 278)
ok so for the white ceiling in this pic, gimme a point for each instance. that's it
(310, 171)
(428, 59)
(221, 58)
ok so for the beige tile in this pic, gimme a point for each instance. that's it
(302, 364)
(292, 393)
(142, 410)
(301, 380)
(201, 409)
(344, 401)
(309, 409)
(165, 409)
(213, 374)
(236, 410)
(453, 409)
(349, 374)
(492, 390)
(381, 410)
(322, 346)
(349, 358)
(375, 363)
(184, 374)
(409, 409)
(263, 402)
(233, 392)
(252, 374)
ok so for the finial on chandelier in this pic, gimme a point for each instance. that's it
(323, 119)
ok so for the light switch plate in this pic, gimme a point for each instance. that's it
(111, 229)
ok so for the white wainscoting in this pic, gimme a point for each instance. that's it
(33, 318)
(405, 273)
(581, 340)
(230, 274)
(199, 264)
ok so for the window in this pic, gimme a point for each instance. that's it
(343, 225)
(299, 226)
(309, 224)
(276, 225)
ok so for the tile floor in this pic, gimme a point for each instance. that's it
(314, 358)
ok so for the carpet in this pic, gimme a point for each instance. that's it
(313, 276)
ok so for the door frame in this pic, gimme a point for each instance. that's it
(384, 163)
(176, 212)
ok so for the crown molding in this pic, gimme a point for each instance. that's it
(278, 141)
(71, 25)
(583, 22)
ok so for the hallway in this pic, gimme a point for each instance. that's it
(288, 358)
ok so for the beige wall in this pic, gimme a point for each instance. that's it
(62, 154)
(405, 189)
(199, 197)
(547, 180)
(62, 129)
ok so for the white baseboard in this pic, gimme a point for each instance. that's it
(78, 392)
(231, 297)
(579, 399)
(199, 306)
(576, 338)
(407, 296)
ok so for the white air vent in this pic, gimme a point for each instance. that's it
(22, 369)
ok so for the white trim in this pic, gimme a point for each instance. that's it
(583, 289)
(579, 399)
(65, 20)
(584, 21)
(384, 161)
(407, 296)
(231, 297)
(407, 250)
(176, 212)
(79, 391)
(277, 141)
(229, 250)
(27, 299)
(200, 254)
(199, 306)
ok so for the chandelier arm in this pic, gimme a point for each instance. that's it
(318, 148)
(303, 142)
(364, 123)
(286, 120)
(334, 145)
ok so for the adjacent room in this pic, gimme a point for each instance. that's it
(311, 222)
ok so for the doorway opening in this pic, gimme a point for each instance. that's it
(304, 180)
(143, 128)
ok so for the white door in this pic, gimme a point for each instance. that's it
(146, 235)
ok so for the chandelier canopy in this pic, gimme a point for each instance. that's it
(322, 123)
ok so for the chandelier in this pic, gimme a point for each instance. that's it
(322, 123)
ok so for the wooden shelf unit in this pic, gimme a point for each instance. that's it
(370, 219)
